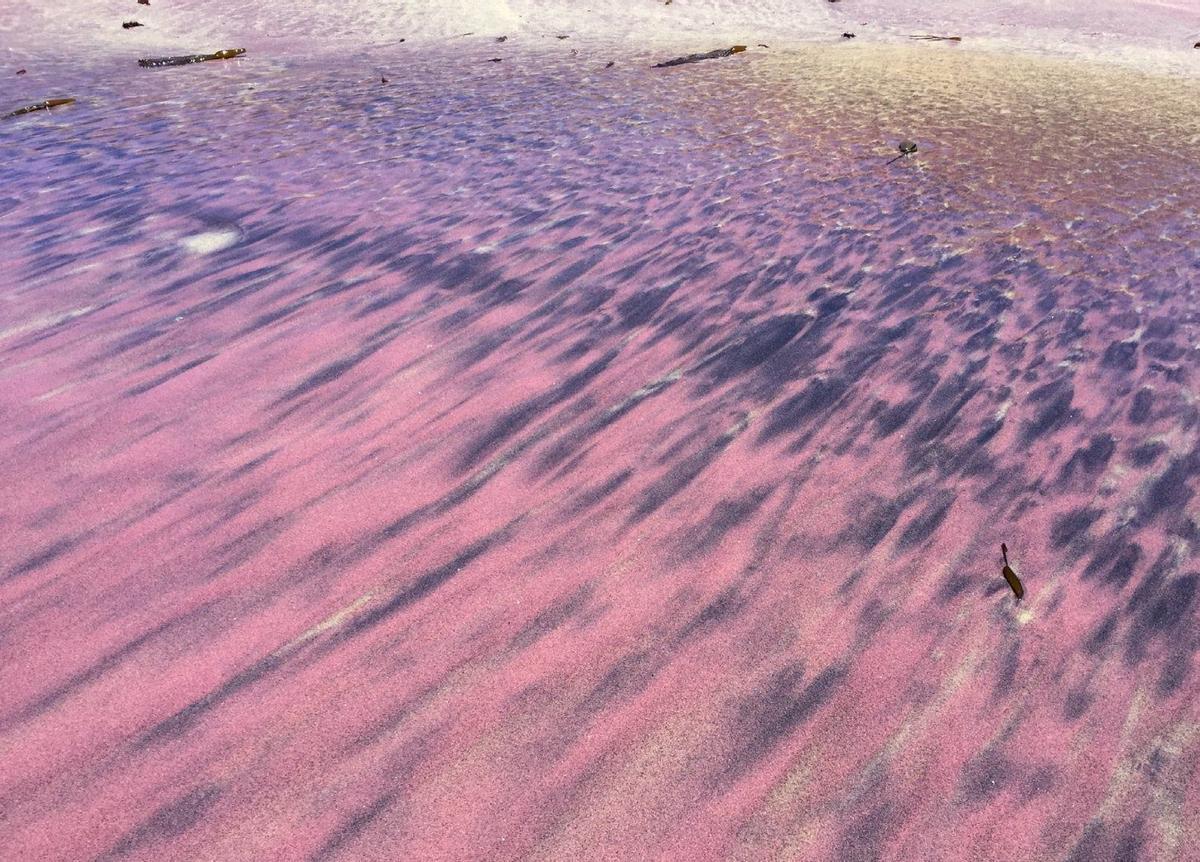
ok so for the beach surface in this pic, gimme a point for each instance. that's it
(413, 456)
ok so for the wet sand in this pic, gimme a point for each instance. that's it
(538, 460)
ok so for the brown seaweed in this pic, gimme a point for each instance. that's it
(227, 54)
(129, 25)
(696, 58)
(1010, 575)
(40, 106)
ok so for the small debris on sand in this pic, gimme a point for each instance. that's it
(40, 106)
(383, 80)
(501, 38)
(496, 60)
(610, 64)
(144, 2)
(847, 35)
(1009, 575)
(562, 37)
(938, 38)
(761, 45)
(129, 25)
(696, 58)
(20, 71)
(906, 148)
(227, 54)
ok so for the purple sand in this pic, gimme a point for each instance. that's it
(533, 460)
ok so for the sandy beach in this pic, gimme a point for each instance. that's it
(409, 456)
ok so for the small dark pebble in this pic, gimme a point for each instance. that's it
(847, 35)
(128, 25)
(20, 71)
(610, 64)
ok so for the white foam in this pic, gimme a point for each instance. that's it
(210, 241)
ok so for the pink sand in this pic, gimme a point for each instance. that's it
(540, 460)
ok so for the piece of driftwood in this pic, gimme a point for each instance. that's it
(227, 54)
(696, 58)
(40, 106)
(938, 38)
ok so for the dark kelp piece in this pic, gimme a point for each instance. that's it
(1010, 575)
(696, 58)
(129, 25)
(227, 54)
(40, 106)
(847, 35)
